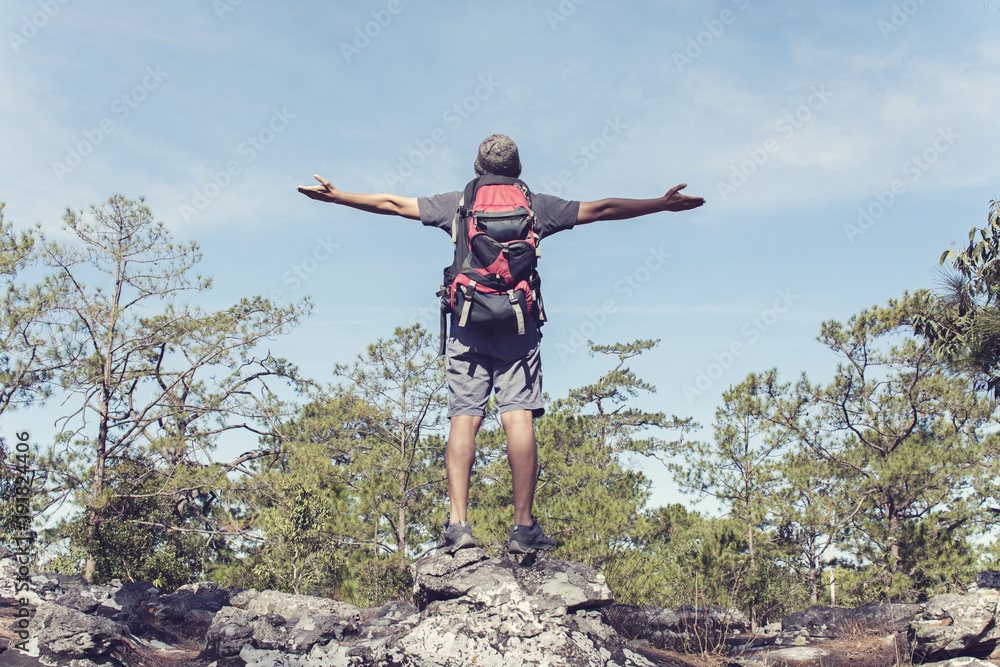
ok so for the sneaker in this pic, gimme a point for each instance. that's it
(528, 539)
(456, 536)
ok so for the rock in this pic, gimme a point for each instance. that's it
(16, 658)
(487, 610)
(305, 620)
(294, 606)
(833, 622)
(64, 634)
(279, 623)
(799, 655)
(231, 629)
(988, 579)
(954, 625)
(395, 611)
(189, 610)
(470, 609)
(961, 662)
(243, 597)
(550, 586)
(390, 619)
(687, 629)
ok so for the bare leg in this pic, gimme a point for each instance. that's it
(458, 459)
(522, 454)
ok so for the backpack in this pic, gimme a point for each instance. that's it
(492, 282)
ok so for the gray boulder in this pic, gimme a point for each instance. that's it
(272, 623)
(988, 579)
(490, 610)
(45, 587)
(686, 629)
(468, 609)
(188, 611)
(551, 586)
(834, 622)
(961, 662)
(958, 625)
(65, 634)
(231, 630)
(393, 618)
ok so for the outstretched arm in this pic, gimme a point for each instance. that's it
(620, 209)
(385, 204)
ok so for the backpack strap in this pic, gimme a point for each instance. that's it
(516, 305)
(445, 292)
(539, 306)
(470, 289)
(457, 219)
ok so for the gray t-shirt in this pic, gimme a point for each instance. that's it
(552, 214)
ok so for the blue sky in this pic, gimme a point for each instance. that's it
(841, 147)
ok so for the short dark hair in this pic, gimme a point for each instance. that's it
(498, 155)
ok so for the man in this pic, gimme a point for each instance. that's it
(480, 362)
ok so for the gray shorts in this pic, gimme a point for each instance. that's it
(480, 362)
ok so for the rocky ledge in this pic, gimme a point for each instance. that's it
(466, 610)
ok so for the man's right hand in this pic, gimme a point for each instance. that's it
(676, 201)
(383, 204)
(323, 192)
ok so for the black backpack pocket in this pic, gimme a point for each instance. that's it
(504, 311)
(521, 259)
(503, 227)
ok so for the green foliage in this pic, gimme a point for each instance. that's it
(903, 438)
(852, 586)
(962, 323)
(394, 472)
(356, 479)
(682, 558)
(937, 556)
(135, 541)
(17, 490)
(147, 379)
(33, 348)
(812, 509)
(298, 505)
(989, 557)
(288, 566)
(890, 465)
(381, 580)
(740, 467)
